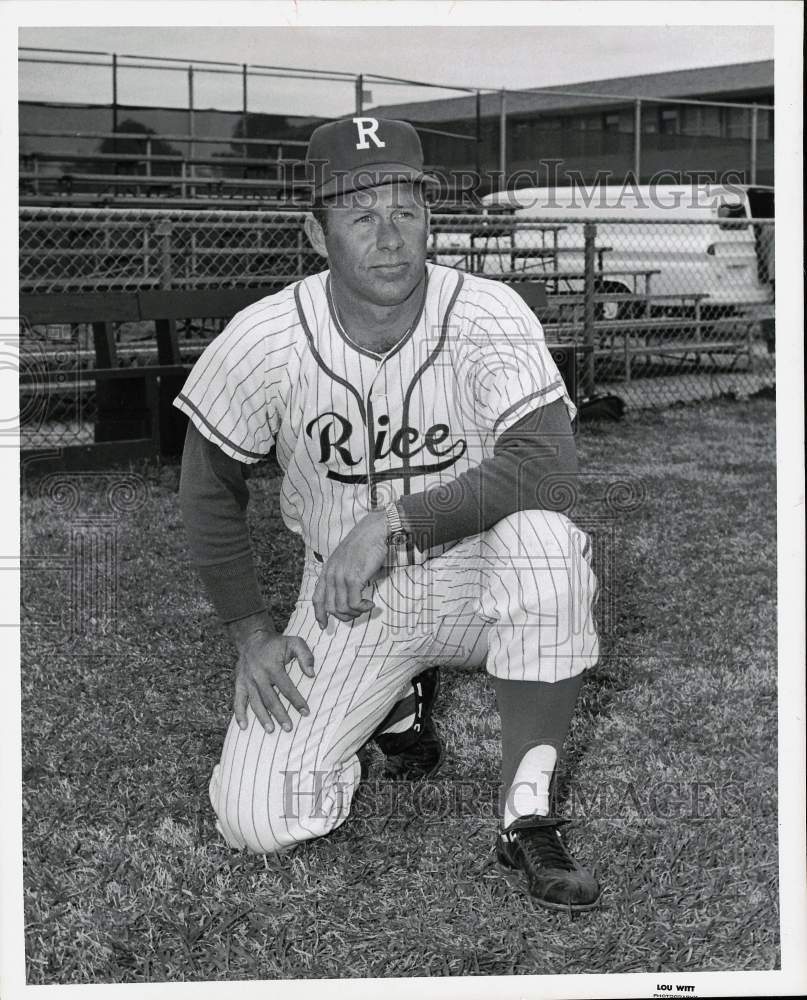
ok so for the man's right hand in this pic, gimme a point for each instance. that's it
(261, 674)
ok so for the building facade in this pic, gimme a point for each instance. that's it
(554, 138)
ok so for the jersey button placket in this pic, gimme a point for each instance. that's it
(374, 395)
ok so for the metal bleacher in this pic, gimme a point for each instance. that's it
(146, 175)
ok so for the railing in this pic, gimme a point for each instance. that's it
(66, 177)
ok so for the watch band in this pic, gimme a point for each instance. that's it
(396, 533)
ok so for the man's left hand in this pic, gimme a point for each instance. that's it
(349, 569)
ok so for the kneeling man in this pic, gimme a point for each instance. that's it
(423, 431)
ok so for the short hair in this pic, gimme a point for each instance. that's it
(320, 213)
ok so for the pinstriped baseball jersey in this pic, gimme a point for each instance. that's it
(355, 429)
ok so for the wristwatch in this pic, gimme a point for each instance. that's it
(396, 532)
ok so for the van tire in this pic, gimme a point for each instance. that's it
(611, 311)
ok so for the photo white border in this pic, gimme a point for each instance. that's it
(787, 16)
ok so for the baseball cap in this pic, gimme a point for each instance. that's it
(363, 152)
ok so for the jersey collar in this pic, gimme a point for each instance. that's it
(340, 329)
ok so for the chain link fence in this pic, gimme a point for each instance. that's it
(662, 312)
(94, 250)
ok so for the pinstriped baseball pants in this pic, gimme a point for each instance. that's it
(517, 598)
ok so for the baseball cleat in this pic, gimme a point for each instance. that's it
(420, 761)
(534, 845)
(417, 752)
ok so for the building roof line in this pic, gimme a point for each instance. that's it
(667, 87)
(631, 98)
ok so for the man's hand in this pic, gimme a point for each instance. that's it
(349, 569)
(261, 674)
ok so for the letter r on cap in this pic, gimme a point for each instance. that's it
(367, 128)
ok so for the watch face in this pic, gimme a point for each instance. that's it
(398, 538)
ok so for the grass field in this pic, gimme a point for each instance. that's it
(672, 778)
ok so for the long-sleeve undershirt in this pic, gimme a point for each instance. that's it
(528, 458)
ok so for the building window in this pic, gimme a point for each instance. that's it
(700, 121)
(520, 136)
(650, 121)
(668, 121)
(586, 123)
(611, 122)
(764, 125)
(736, 123)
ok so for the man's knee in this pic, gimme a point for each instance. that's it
(542, 593)
(536, 532)
(551, 558)
(268, 813)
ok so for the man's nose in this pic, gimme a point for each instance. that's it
(389, 236)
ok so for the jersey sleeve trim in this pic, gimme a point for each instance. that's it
(533, 395)
(529, 403)
(213, 434)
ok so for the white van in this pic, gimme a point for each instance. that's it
(684, 248)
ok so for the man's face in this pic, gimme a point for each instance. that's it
(376, 242)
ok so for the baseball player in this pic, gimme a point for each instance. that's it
(424, 435)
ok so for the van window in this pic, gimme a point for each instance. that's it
(731, 210)
(761, 203)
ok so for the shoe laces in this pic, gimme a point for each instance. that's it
(543, 846)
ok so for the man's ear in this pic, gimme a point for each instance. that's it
(316, 237)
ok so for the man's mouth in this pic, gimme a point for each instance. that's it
(390, 268)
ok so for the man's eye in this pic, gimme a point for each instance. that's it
(365, 218)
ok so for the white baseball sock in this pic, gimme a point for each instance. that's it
(528, 794)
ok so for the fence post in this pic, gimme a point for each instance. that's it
(590, 256)
(637, 140)
(115, 103)
(754, 130)
(191, 122)
(245, 106)
(164, 232)
(478, 159)
(503, 138)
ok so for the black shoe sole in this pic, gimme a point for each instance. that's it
(514, 874)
